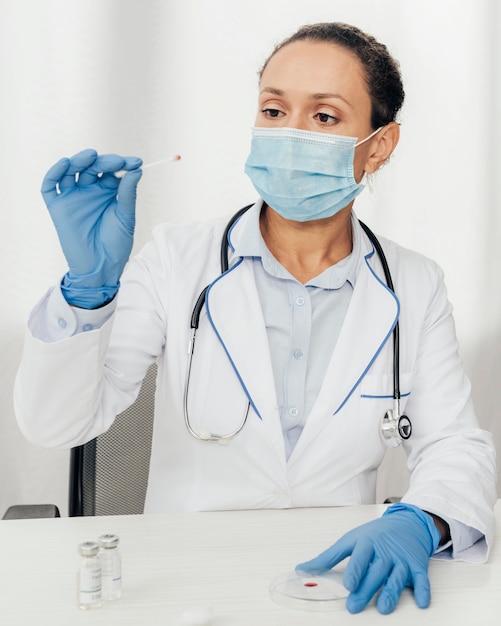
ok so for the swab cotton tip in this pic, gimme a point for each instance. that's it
(175, 157)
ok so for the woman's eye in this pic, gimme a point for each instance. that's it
(325, 118)
(271, 112)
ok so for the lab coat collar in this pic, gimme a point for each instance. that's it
(235, 313)
(367, 328)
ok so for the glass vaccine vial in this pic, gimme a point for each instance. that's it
(89, 576)
(111, 567)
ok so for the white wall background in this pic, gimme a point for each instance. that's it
(154, 78)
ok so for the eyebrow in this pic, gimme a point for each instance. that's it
(315, 96)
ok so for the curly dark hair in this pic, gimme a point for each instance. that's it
(382, 71)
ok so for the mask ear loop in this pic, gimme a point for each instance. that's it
(366, 180)
(369, 137)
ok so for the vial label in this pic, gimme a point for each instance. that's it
(111, 576)
(89, 586)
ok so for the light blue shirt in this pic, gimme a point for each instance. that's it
(302, 324)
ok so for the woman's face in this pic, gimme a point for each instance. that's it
(320, 87)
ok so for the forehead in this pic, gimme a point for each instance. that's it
(317, 67)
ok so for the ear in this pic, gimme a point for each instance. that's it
(381, 147)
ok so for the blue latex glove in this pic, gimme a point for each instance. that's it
(389, 553)
(94, 215)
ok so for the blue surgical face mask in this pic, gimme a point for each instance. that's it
(303, 175)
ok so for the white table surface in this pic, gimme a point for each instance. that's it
(223, 560)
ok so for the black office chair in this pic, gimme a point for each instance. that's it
(109, 475)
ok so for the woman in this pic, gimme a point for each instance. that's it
(294, 338)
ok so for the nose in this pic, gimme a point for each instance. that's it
(297, 119)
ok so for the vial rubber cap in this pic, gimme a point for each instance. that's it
(88, 548)
(108, 541)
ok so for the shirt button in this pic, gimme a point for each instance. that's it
(293, 411)
(298, 354)
(87, 327)
(300, 301)
(62, 322)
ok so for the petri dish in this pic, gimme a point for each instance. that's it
(307, 591)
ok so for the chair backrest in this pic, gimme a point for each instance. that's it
(109, 475)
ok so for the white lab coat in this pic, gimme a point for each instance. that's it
(69, 391)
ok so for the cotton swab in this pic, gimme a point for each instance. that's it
(175, 157)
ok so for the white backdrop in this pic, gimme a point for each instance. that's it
(154, 78)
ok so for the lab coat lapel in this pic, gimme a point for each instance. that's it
(236, 316)
(367, 327)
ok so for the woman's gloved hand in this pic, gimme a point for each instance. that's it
(388, 553)
(94, 215)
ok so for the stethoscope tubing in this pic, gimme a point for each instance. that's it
(396, 419)
(396, 332)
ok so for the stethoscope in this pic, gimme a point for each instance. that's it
(394, 428)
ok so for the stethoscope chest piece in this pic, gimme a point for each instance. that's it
(395, 428)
